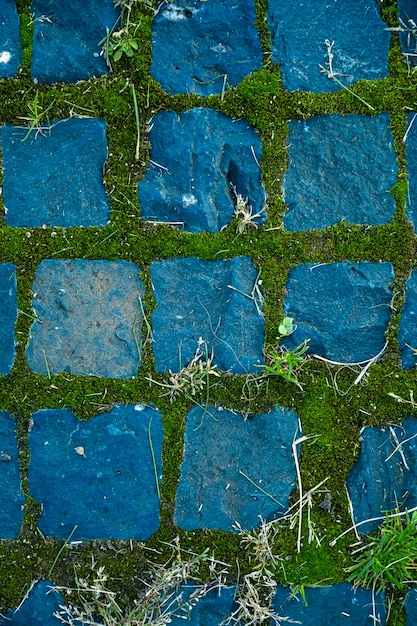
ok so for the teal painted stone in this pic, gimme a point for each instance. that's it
(10, 48)
(235, 470)
(199, 608)
(333, 605)
(201, 305)
(347, 166)
(90, 318)
(411, 154)
(204, 47)
(55, 176)
(38, 608)
(67, 39)
(12, 500)
(342, 308)
(97, 475)
(407, 12)
(8, 316)
(380, 481)
(299, 30)
(200, 161)
(410, 605)
(407, 331)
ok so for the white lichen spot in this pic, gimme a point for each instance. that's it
(5, 56)
(80, 450)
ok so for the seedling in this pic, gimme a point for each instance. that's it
(286, 363)
(245, 217)
(36, 113)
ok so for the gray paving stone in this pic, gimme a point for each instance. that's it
(10, 48)
(299, 30)
(66, 40)
(204, 46)
(97, 475)
(200, 161)
(410, 605)
(336, 604)
(55, 176)
(90, 318)
(407, 12)
(407, 331)
(380, 480)
(411, 155)
(8, 316)
(38, 608)
(206, 303)
(235, 470)
(11, 511)
(342, 308)
(347, 166)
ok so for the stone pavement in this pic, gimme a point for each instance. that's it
(103, 479)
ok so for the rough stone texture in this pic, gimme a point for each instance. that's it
(407, 331)
(8, 315)
(55, 177)
(347, 166)
(66, 45)
(411, 154)
(38, 608)
(211, 610)
(207, 159)
(407, 12)
(336, 604)
(202, 303)
(98, 474)
(299, 29)
(204, 46)
(90, 318)
(343, 308)
(380, 481)
(12, 500)
(10, 48)
(410, 606)
(235, 470)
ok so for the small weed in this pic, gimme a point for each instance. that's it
(36, 113)
(286, 363)
(245, 217)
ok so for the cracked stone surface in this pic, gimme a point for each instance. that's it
(411, 155)
(11, 511)
(299, 30)
(342, 308)
(10, 48)
(206, 304)
(55, 177)
(8, 316)
(98, 474)
(410, 605)
(89, 316)
(407, 331)
(384, 477)
(67, 36)
(200, 161)
(407, 12)
(38, 608)
(211, 610)
(204, 46)
(335, 604)
(235, 470)
(347, 165)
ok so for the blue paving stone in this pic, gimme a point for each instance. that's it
(90, 318)
(12, 500)
(55, 177)
(212, 609)
(411, 153)
(98, 474)
(205, 46)
(66, 41)
(203, 302)
(207, 159)
(299, 29)
(343, 308)
(8, 315)
(38, 608)
(337, 604)
(10, 48)
(347, 166)
(410, 605)
(235, 470)
(407, 12)
(380, 481)
(407, 331)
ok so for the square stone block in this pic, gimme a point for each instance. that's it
(11, 512)
(8, 316)
(54, 177)
(89, 318)
(10, 48)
